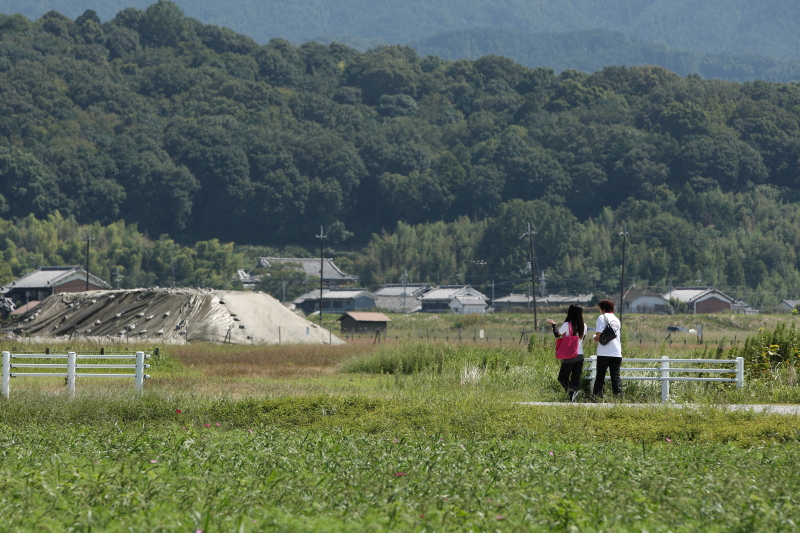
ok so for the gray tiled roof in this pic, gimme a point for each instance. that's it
(394, 304)
(693, 294)
(450, 292)
(513, 298)
(397, 290)
(469, 300)
(310, 266)
(332, 294)
(46, 277)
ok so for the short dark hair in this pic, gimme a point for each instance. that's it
(606, 305)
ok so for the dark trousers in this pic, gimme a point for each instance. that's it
(612, 364)
(570, 375)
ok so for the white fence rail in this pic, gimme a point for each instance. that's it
(71, 368)
(664, 371)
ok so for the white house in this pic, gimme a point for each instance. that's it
(645, 302)
(440, 299)
(467, 305)
(701, 299)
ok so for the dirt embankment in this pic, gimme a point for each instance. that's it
(169, 315)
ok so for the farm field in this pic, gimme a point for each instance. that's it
(507, 328)
(403, 436)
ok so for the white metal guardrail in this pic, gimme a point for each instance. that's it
(664, 371)
(72, 366)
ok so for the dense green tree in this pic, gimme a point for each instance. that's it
(163, 24)
(196, 133)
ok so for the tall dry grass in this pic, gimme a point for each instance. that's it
(264, 361)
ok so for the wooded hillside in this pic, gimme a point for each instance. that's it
(200, 133)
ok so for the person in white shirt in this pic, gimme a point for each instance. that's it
(609, 356)
(570, 374)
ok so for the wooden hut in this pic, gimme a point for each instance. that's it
(361, 322)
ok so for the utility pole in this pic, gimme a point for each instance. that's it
(670, 293)
(88, 238)
(405, 280)
(117, 277)
(530, 233)
(321, 238)
(624, 235)
(283, 286)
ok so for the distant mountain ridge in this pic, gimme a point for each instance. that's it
(769, 28)
(591, 50)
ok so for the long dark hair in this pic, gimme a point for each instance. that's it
(575, 317)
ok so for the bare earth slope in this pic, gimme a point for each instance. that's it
(170, 315)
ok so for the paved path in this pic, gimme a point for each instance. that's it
(776, 409)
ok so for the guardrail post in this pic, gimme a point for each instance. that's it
(139, 378)
(664, 379)
(6, 373)
(71, 360)
(592, 373)
(739, 372)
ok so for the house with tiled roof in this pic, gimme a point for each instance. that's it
(644, 301)
(46, 281)
(787, 306)
(336, 300)
(467, 305)
(331, 274)
(701, 300)
(401, 298)
(444, 300)
(523, 302)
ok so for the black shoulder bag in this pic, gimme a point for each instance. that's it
(608, 333)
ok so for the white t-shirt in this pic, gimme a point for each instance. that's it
(613, 348)
(564, 330)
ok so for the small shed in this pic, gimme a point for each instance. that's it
(355, 322)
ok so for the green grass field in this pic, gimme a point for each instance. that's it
(405, 436)
(507, 328)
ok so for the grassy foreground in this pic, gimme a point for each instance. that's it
(397, 438)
